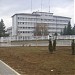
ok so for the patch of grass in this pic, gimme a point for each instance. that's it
(38, 60)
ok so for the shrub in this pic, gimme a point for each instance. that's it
(50, 46)
(73, 47)
(54, 44)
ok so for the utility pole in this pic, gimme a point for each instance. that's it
(41, 5)
(49, 6)
(31, 5)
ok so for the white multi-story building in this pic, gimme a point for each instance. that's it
(23, 24)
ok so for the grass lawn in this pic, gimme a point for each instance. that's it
(38, 60)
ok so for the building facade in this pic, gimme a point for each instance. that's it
(24, 24)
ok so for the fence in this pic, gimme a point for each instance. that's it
(61, 41)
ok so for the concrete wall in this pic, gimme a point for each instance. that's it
(61, 41)
(66, 37)
(42, 43)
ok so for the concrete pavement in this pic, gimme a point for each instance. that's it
(7, 70)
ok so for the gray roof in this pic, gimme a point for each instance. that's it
(26, 14)
(61, 17)
(36, 14)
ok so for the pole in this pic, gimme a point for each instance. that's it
(31, 5)
(49, 6)
(41, 5)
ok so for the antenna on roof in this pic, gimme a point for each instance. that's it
(49, 6)
(31, 5)
(41, 5)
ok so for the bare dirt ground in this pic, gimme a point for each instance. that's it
(38, 60)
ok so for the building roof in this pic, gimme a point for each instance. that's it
(42, 12)
(62, 17)
(38, 14)
(32, 14)
(26, 14)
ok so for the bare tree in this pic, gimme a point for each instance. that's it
(41, 29)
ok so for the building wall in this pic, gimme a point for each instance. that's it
(23, 24)
(14, 25)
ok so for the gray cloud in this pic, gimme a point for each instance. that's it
(10, 7)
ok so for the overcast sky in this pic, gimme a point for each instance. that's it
(58, 7)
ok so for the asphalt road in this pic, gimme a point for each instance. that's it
(6, 70)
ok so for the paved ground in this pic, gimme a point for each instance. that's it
(6, 70)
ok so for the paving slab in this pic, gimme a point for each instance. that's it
(7, 70)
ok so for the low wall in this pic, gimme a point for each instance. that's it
(61, 41)
(6, 39)
(41, 43)
(66, 37)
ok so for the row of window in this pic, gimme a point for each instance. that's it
(26, 27)
(50, 27)
(54, 29)
(40, 19)
(62, 21)
(34, 19)
(34, 23)
(19, 32)
(25, 23)
(24, 37)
